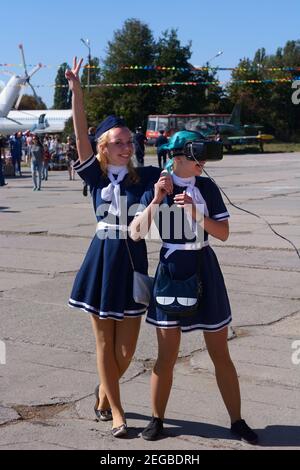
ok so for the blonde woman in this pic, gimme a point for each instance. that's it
(103, 285)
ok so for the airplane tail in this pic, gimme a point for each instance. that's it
(9, 94)
(41, 125)
(235, 118)
(13, 91)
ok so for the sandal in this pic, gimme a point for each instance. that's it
(120, 431)
(101, 415)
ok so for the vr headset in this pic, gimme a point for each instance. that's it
(200, 150)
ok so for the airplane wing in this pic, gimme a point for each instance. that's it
(243, 139)
(12, 120)
(265, 137)
(29, 113)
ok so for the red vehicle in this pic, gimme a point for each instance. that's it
(171, 123)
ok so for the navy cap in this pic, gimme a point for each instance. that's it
(108, 123)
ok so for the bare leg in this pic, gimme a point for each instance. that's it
(108, 370)
(226, 375)
(126, 336)
(162, 374)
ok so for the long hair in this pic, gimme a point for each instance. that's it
(103, 161)
(170, 165)
(38, 141)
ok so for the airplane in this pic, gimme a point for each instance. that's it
(234, 133)
(39, 121)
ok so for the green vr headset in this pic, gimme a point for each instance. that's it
(200, 150)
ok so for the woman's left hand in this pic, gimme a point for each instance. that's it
(186, 202)
(183, 200)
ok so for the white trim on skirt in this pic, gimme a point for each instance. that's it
(165, 324)
(114, 315)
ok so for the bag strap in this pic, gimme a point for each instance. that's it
(129, 253)
(199, 272)
(199, 258)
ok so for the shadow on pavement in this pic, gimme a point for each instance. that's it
(4, 209)
(280, 436)
(271, 436)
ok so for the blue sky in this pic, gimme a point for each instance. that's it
(51, 30)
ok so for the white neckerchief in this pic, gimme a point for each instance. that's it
(191, 190)
(112, 191)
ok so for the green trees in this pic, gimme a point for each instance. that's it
(62, 96)
(252, 96)
(178, 98)
(284, 115)
(154, 64)
(270, 103)
(132, 45)
(92, 73)
(30, 102)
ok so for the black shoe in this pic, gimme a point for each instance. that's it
(85, 190)
(241, 429)
(154, 430)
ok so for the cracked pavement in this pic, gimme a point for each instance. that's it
(47, 383)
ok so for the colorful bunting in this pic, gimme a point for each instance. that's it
(172, 84)
(192, 68)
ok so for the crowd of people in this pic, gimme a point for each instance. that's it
(39, 152)
(48, 151)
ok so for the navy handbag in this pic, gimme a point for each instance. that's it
(177, 297)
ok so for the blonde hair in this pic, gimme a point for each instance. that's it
(103, 160)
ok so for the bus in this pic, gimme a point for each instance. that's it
(171, 123)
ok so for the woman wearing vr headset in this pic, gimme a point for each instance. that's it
(103, 285)
(188, 262)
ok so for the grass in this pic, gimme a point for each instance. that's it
(282, 147)
(272, 147)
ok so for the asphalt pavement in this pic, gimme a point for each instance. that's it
(47, 353)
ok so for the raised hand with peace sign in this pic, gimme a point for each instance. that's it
(83, 144)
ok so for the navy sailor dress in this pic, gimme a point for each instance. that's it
(103, 284)
(214, 311)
